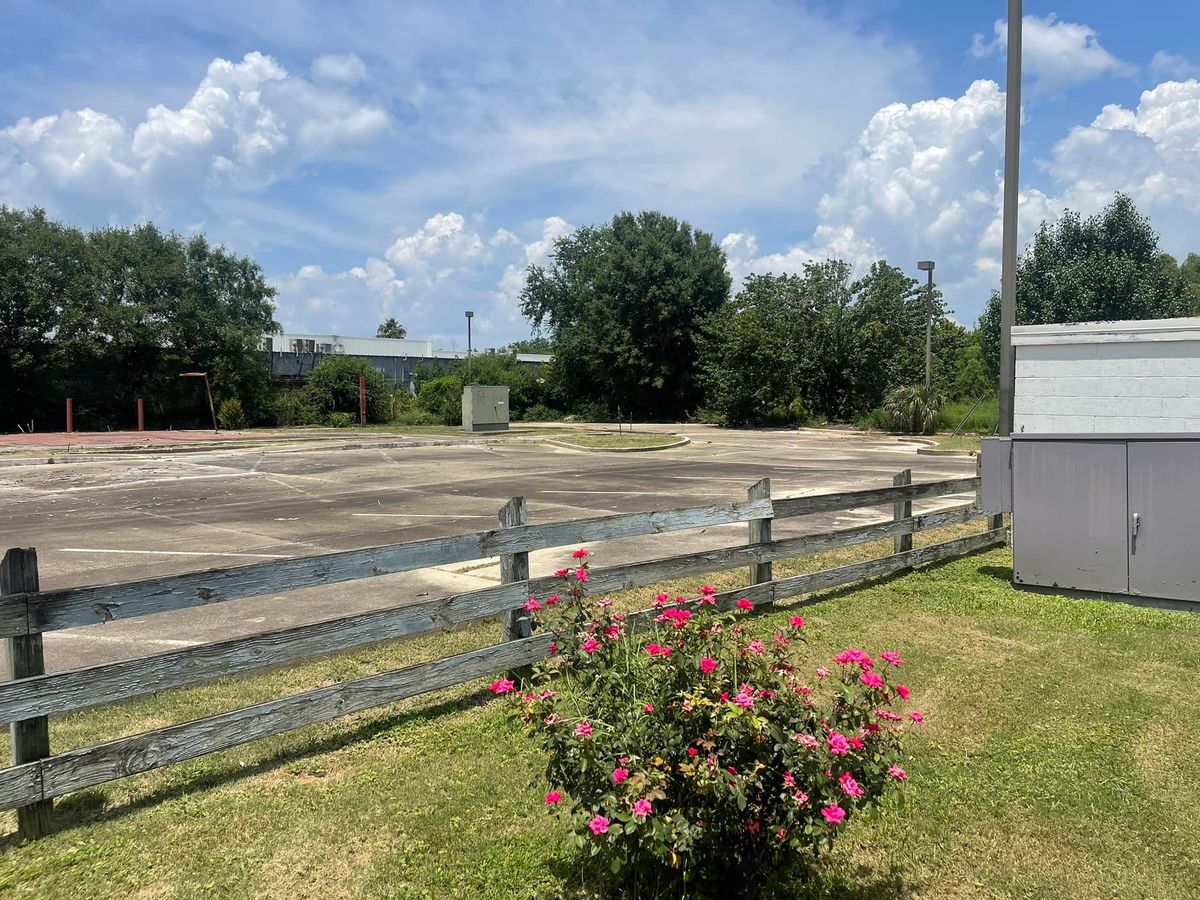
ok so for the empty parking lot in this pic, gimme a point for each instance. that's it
(119, 517)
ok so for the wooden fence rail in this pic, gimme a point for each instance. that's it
(37, 775)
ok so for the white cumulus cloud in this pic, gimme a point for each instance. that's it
(1057, 54)
(346, 68)
(248, 124)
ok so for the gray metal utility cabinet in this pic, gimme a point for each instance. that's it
(485, 408)
(1114, 514)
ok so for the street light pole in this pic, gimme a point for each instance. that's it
(926, 265)
(1008, 252)
(470, 315)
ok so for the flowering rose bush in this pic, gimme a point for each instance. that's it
(695, 754)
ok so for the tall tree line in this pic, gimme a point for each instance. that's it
(110, 315)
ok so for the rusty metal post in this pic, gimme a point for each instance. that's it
(141, 413)
(362, 401)
(70, 416)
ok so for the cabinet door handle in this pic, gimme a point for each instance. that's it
(1137, 522)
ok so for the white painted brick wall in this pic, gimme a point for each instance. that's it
(1108, 377)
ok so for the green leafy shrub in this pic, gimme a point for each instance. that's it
(416, 417)
(913, 409)
(231, 415)
(341, 420)
(591, 411)
(540, 413)
(698, 759)
(291, 408)
(332, 386)
(982, 421)
(442, 397)
(876, 419)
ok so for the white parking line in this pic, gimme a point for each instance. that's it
(617, 493)
(174, 552)
(417, 516)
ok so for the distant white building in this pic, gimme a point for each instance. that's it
(293, 355)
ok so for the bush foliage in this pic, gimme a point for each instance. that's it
(699, 758)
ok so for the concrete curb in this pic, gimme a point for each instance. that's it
(570, 446)
(933, 451)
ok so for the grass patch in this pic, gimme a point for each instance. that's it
(612, 441)
(1059, 760)
(966, 442)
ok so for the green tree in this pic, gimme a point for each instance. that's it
(332, 387)
(823, 343)
(1102, 268)
(118, 313)
(624, 303)
(390, 328)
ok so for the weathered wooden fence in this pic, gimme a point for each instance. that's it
(37, 775)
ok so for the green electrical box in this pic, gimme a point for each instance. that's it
(485, 408)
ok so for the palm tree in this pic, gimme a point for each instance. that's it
(391, 329)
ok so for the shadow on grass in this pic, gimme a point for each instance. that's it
(85, 806)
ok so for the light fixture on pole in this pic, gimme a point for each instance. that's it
(207, 390)
(1008, 244)
(470, 315)
(926, 265)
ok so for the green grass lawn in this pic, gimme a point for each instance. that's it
(1060, 759)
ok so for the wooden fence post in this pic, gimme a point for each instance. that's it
(515, 623)
(902, 509)
(31, 737)
(760, 533)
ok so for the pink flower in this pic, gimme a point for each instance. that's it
(692, 751)
(745, 603)
(503, 686)
(619, 775)
(855, 742)
(647, 707)
(531, 605)
(796, 621)
(822, 672)
(849, 786)
(653, 649)
(553, 797)
(753, 826)
(552, 599)
(890, 656)
(641, 808)
(854, 655)
(902, 690)
(708, 590)
(789, 780)
(661, 599)
(554, 648)
(744, 700)
(916, 717)
(807, 740)
(562, 573)
(833, 814)
(898, 773)
(888, 716)
(604, 602)
(838, 745)
(591, 645)
(599, 825)
(581, 574)
(781, 834)
(756, 647)
(581, 554)
(871, 680)
(583, 729)
(707, 664)
(801, 798)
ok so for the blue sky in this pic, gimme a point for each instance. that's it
(411, 159)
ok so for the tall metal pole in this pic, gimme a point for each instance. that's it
(928, 330)
(1008, 278)
(470, 315)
